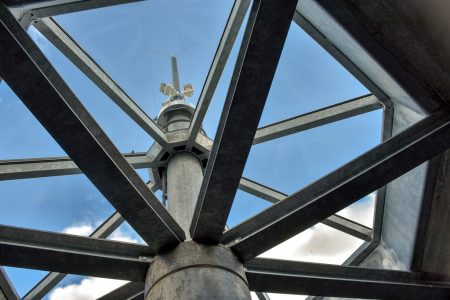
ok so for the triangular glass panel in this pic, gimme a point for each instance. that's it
(125, 233)
(307, 78)
(135, 48)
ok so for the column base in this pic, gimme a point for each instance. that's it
(195, 271)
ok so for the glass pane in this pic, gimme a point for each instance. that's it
(292, 162)
(24, 279)
(22, 135)
(307, 78)
(245, 206)
(58, 204)
(320, 243)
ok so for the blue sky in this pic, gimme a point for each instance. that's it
(133, 43)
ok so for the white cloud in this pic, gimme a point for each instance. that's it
(88, 289)
(82, 229)
(118, 235)
(85, 229)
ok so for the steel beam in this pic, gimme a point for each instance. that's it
(43, 250)
(223, 51)
(126, 291)
(335, 221)
(292, 277)
(317, 118)
(46, 8)
(7, 289)
(249, 88)
(62, 40)
(52, 102)
(333, 192)
(56, 166)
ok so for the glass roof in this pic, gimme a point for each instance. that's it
(133, 44)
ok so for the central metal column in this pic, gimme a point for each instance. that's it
(191, 270)
(184, 178)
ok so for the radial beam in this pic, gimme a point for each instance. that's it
(335, 221)
(7, 290)
(292, 277)
(64, 42)
(317, 118)
(249, 88)
(45, 8)
(223, 51)
(42, 250)
(126, 291)
(342, 187)
(52, 102)
(56, 166)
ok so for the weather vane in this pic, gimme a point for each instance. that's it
(173, 91)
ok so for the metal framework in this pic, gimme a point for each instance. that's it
(91, 152)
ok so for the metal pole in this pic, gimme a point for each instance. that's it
(184, 178)
(175, 77)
